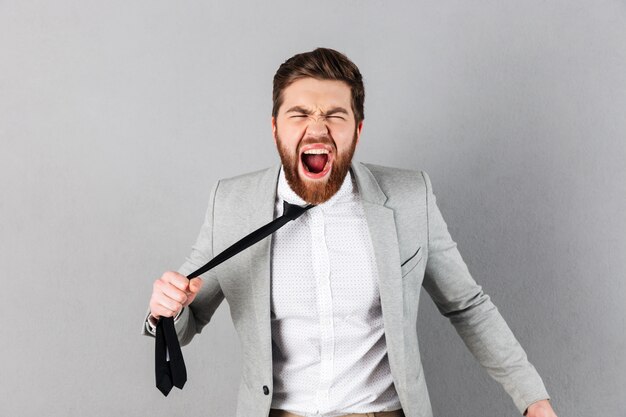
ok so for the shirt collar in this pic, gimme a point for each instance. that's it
(346, 192)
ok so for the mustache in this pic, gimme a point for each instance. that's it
(324, 140)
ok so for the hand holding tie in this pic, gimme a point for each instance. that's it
(171, 293)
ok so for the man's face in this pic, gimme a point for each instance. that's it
(316, 134)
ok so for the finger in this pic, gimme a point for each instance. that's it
(168, 306)
(194, 285)
(173, 293)
(157, 311)
(179, 281)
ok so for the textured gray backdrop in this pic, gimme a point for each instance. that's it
(116, 117)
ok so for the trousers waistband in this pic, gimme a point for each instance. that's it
(396, 413)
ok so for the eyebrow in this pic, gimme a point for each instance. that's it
(334, 110)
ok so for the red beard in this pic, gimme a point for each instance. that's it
(316, 192)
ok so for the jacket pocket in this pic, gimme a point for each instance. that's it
(408, 265)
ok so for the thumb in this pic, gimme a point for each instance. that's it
(194, 285)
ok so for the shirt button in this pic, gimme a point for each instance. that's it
(266, 390)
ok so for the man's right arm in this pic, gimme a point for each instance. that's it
(192, 302)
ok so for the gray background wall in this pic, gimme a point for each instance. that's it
(116, 117)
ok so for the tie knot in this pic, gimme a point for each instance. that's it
(293, 211)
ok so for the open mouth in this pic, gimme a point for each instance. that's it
(316, 161)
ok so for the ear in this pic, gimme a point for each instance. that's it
(274, 128)
(358, 131)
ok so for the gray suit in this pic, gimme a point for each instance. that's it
(413, 250)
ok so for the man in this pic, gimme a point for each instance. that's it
(326, 309)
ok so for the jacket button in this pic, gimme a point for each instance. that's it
(266, 390)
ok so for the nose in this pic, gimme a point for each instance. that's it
(317, 127)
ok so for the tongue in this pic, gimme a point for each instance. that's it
(315, 162)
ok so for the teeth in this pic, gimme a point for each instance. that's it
(316, 151)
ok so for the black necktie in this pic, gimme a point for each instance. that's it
(172, 372)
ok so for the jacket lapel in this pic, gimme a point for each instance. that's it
(258, 261)
(382, 228)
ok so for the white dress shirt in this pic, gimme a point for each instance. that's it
(328, 339)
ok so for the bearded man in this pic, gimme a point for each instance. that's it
(326, 309)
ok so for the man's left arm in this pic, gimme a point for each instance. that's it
(477, 320)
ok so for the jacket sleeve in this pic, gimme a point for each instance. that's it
(193, 318)
(475, 318)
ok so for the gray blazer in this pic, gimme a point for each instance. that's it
(413, 249)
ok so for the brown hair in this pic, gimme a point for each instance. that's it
(321, 64)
